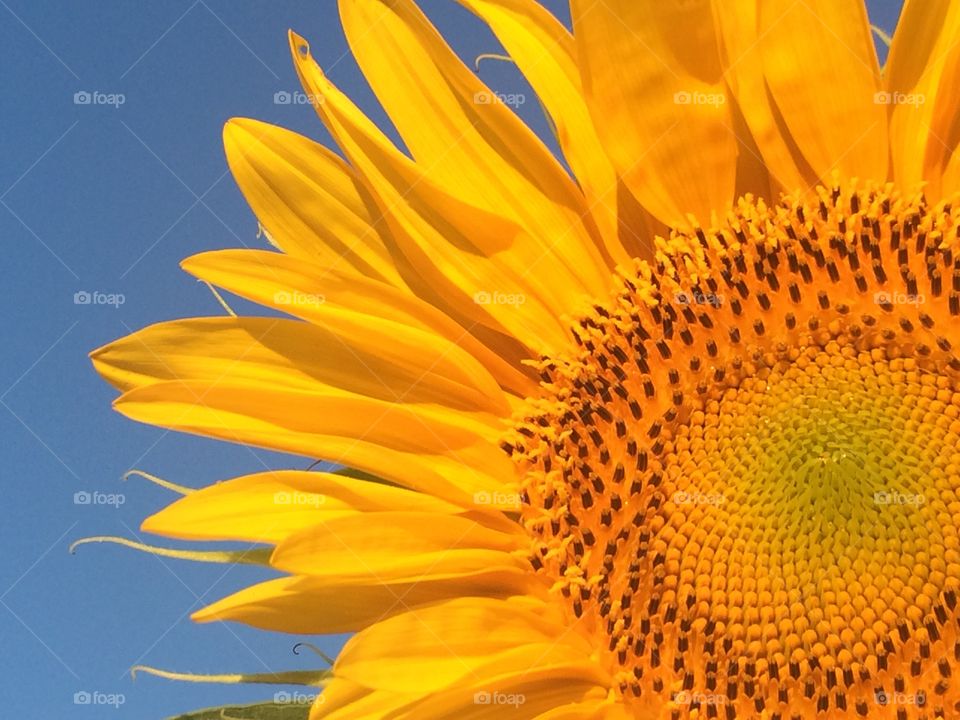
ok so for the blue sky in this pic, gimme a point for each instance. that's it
(108, 198)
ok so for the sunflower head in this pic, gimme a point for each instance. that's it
(668, 433)
(741, 479)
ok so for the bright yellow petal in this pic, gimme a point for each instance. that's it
(308, 199)
(345, 700)
(525, 683)
(483, 266)
(367, 356)
(743, 69)
(921, 77)
(586, 710)
(268, 507)
(435, 646)
(370, 316)
(654, 82)
(539, 689)
(306, 605)
(471, 144)
(451, 454)
(398, 547)
(950, 182)
(820, 65)
(545, 53)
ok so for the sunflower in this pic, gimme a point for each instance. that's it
(669, 432)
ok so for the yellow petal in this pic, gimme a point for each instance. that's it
(544, 51)
(397, 547)
(541, 689)
(268, 507)
(524, 683)
(482, 266)
(452, 454)
(378, 359)
(472, 144)
(308, 199)
(345, 700)
(654, 82)
(437, 645)
(371, 317)
(950, 182)
(921, 77)
(743, 69)
(587, 710)
(820, 65)
(311, 605)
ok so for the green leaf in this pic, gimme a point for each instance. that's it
(257, 711)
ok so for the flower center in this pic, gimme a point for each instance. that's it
(744, 482)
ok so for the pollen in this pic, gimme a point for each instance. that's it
(743, 484)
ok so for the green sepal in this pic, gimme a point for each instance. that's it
(257, 711)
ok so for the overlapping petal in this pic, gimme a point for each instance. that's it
(469, 142)
(922, 77)
(820, 67)
(654, 83)
(308, 200)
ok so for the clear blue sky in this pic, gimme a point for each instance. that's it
(109, 199)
